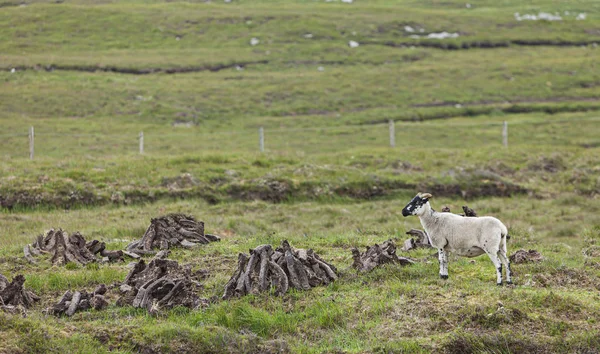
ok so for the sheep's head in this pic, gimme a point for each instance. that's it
(416, 205)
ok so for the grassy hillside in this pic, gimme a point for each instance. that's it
(90, 75)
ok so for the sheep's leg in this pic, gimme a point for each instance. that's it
(443, 257)
(494, 258)
(505, 261)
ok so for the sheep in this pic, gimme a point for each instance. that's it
(467, 237)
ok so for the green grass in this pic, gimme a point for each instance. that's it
(360, 312)
(328, 179)
(301, 96)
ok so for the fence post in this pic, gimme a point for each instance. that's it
(392, 134)
(31, 142)
(141, 143)
(505, 134)
(261, 139)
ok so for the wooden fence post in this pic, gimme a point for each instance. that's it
(505, 134)
(31, 143)
(392, 134)
(141, 143)
(261, 139)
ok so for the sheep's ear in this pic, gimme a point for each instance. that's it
(426, 196)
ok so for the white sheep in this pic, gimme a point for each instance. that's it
(467, 237)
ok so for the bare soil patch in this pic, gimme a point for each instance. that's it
(138, 71)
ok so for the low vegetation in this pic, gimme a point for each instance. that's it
(91, 75)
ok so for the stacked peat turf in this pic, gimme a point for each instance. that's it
(66, 248)
(469, 212)
(72, 302)
(421, 240)
(522, 256)
(162, 284)
(169, 231)
(13, 295)
(377, 255)
(283, 268)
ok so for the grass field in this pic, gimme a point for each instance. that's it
(90, 75)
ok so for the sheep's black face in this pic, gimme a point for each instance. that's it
(415, 206)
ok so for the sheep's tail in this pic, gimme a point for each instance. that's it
(504, 233)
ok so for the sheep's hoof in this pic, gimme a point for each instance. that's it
(499, 284)
(443, 276)
(509, 283)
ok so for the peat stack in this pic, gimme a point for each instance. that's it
(66, 248)
(162, 283)
(13, 294)
(522, 256)
(469, 212)
(421, 240)
(170, 231)
(377, 255)
(282, 268)
(72, 302)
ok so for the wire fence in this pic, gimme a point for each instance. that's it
(43, 142)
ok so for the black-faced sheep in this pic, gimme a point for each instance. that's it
(467, 237)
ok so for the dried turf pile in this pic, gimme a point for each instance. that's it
(467, 211)
(170, 231)
(65, 249)
(283, 268)
(421, 240)
(13, 294)
(376, 256)
(162, 284)
(522, 256)
(80, 301)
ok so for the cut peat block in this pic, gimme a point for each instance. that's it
(280, 269)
